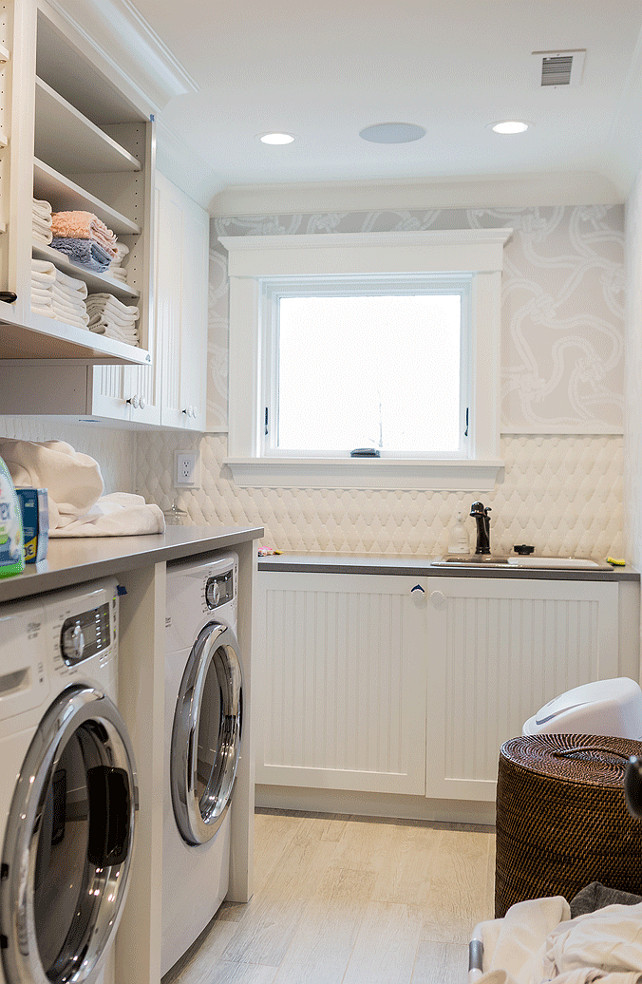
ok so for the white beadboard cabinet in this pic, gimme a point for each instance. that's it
(342, 680)
(497, 650)
(182, 260)
(369, 685)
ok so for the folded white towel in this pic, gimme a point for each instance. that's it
(44, 310)
(104, 301)
(70, 319)
(71, 283)
(41, 208)
(118, 273)
(118, 514)
(44, 238)
(129, 335)
(102, 319)
(44, 268)
(75, 304)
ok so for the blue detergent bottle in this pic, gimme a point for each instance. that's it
(12, 560)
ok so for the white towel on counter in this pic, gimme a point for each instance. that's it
(77, 506)
(118, 514)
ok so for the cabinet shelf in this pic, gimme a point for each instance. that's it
(66, 195)
(46, 338)
(68, 141)
(94, 281)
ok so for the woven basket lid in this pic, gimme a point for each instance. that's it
(588, 759)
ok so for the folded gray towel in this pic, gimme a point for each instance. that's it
(597, 896)
(84, 252)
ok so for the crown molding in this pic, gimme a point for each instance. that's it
(127, 42)
(490, 191)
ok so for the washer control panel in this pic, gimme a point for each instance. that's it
(219, 589)
(82, 626)
(84, 635)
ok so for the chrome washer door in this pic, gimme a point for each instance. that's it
(206, 736)
(68, 843)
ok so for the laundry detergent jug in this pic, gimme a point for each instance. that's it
(12, 559)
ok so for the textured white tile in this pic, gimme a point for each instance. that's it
(561, 493)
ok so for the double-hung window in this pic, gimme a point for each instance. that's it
(365, 360)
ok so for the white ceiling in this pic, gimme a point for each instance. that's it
(323, 71)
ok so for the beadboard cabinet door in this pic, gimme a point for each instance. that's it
(342, 681)
(182, 259)
(498, 649)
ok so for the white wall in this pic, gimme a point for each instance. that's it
(562, 400)
(633, 390)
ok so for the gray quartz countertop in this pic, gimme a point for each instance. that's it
(72, 561)
(422, 567)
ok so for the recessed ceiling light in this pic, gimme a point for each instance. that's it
(276, 139)
(393, 133)
(509, 126)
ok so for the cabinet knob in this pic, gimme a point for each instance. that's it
(134, 401)
(195, 412)
(142, 402)
(438, 600)
(417, 587)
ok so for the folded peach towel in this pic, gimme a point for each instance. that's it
(83, 225)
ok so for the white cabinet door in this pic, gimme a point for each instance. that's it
(499, 649)
(342, 681)
(181, 305)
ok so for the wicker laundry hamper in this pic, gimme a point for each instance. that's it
(561, 818)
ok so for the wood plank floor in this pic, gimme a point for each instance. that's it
(347, 900)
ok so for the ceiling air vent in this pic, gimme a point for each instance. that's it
(559, 67)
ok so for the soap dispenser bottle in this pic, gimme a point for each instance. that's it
(458, 542)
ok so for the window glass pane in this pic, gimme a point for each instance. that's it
(380, 371)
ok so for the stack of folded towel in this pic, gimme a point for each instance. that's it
(84, 238)
(116, 268)
(69, 300)
(56, 295)
(43, 278)
(109, 316)
(41, 222)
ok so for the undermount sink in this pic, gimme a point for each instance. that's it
(527, 562)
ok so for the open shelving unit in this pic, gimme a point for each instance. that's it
(74, 134)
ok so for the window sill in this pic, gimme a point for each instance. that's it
(366, 473)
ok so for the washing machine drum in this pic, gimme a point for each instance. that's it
(206, 734)
(68, 843)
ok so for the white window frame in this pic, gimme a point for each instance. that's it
(258, 264)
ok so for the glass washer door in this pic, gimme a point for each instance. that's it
(68, 842)
(206, 736)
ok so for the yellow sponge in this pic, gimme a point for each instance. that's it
(616, 562)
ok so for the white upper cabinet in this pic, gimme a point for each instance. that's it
(181, 305)
(70, 136)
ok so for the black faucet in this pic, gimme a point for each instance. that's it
(480, 514)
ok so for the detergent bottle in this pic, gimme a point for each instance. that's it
(12, 559)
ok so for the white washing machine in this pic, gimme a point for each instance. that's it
(68, 790)
(203, 712)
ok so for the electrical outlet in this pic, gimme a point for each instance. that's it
(186, 472)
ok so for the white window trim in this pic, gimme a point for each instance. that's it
(254, 260)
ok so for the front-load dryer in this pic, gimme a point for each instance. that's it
(203, 710)
(68, 790)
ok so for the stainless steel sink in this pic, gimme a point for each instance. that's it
(522, 562)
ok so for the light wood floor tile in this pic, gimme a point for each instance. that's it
(384, 952)
(264, 931)
(322, 944)
(231, 973)
(440, 963)
(405, 867)
(458, 895)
